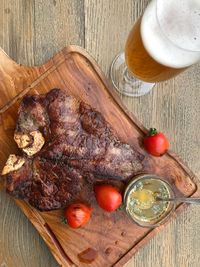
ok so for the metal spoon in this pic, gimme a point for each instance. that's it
(180, 199)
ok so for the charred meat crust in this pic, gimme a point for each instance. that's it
(75, 143)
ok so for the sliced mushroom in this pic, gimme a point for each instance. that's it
(13, 163)
(30, 143)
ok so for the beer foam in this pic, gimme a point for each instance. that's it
(170, 32)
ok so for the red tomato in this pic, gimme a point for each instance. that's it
(108, 197)
(77, 214)
(156, 143)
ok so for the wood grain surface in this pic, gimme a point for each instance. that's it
(31, 32)
(74, 71)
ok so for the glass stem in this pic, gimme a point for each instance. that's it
(128, 75)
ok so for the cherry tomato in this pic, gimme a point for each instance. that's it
(156, 143)
(108, 197)
(77, 214)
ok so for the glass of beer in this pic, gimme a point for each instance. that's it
(162, 43)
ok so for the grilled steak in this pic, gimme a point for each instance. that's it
(65, 144)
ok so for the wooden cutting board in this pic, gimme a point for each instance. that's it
(114, 236)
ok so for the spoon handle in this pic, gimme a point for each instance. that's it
(181, 199)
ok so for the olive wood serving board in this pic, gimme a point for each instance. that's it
(113, 235)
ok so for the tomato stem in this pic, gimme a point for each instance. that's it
(152, 132)
(121, 207)
(63, 220)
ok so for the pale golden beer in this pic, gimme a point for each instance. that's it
(163, 42)
(141, 64)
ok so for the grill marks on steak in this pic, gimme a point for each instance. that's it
(46, 185)
(32, 114)
(79, 144)
(18, 181)
(90, 145)
(54, 184)
(63, 112)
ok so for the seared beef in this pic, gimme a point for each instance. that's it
(17, 181)
(65, 143)
(54, 184)
(32, 114)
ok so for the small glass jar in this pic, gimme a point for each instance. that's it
(140, 200)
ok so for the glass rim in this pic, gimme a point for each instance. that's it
(165, 216)
(163, 32)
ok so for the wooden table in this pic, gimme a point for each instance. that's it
(33, 31)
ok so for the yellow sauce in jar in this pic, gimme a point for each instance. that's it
(141, 201)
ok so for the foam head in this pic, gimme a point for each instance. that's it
(170, 30)
(180, 22)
